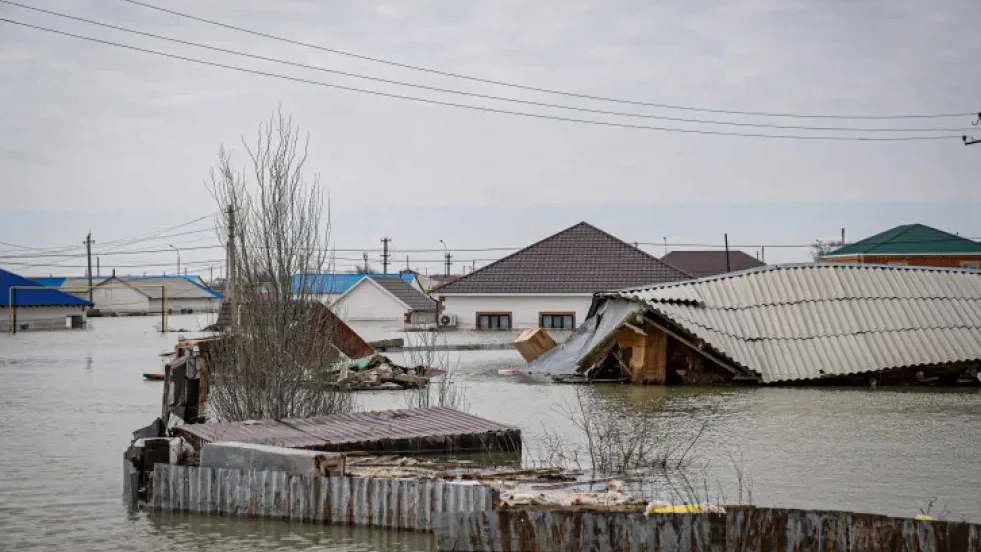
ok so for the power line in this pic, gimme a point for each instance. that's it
(533, 88)
(474, 94)
(482, 108)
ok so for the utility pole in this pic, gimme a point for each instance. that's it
(385, 242)
(665, 238)
(726, 237)
(211, 276)
(842, 235)
(407, 269)
(447, 257)
(88, 253)
(473, 265)
(98, 267)
(364, 267)
(231, 271)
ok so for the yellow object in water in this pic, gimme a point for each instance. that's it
(924, 517)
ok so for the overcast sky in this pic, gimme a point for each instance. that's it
(97, 138)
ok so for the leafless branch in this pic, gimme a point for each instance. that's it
(282, 361)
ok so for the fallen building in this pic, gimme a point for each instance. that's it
(785, 324)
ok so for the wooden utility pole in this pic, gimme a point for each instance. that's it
(726, 237)
(231, 271)
(385, 242)
(449, 260)
(88, 253)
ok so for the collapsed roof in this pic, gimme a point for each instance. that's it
(811, 321)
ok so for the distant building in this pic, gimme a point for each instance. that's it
(911, 244)
(184, 294)
(549, 284)
(700, 264)
(28, 308)
(328, 287)
(385, 298)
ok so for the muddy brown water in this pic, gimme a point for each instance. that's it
(69, 400)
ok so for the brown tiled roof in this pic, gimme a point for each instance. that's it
(415, 299)
(709, 263)
(580, 259)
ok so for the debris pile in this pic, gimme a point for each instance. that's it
(379, 373)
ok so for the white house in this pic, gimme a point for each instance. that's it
(329, 287)
(385, 298)
(184, 294)
(549, 284)
(26, 307)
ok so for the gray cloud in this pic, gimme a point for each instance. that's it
(143, 130)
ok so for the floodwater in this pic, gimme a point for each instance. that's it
(70, 399)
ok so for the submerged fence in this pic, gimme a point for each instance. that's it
(399, 504)
(464, 518)
(738, 530)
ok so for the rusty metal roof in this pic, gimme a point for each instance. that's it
(803, 322)
(357, 431)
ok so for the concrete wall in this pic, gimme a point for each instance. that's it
(368, 302)
(120, 299)
(40, 318)
(940, 261)
(524, 309)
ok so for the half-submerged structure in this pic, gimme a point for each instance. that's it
(786, 324)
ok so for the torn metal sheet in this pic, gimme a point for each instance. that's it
(566, 358)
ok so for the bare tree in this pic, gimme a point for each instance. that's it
(281, 361)
(443, 389)
(820, 248)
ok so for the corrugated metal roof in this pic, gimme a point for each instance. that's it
(23, 296)
(910, 239)
(335, 284)
(335, 431)
(797, 322)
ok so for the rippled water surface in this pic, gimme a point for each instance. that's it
(70, 399)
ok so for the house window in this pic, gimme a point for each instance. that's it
(493, 320)
(557, 320)
(971, 264)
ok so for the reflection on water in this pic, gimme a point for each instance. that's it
(70, 399)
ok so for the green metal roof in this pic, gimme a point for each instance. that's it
(910, 239)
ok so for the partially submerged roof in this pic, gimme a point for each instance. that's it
(579, 259)
(709, 263)
(802, 322)
(178, 287)
(412, 298)
(336, 284)
(393, 431)
(910, 239)
(26, 294)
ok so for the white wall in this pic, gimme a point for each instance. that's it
(120, 299)
(367, 301)
(183, 304)
(40, 318)
(524, 309)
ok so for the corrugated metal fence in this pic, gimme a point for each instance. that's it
(343, 500)
(739, 530)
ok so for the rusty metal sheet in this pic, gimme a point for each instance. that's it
(335, 431)
(398, 504)
(738, 530)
